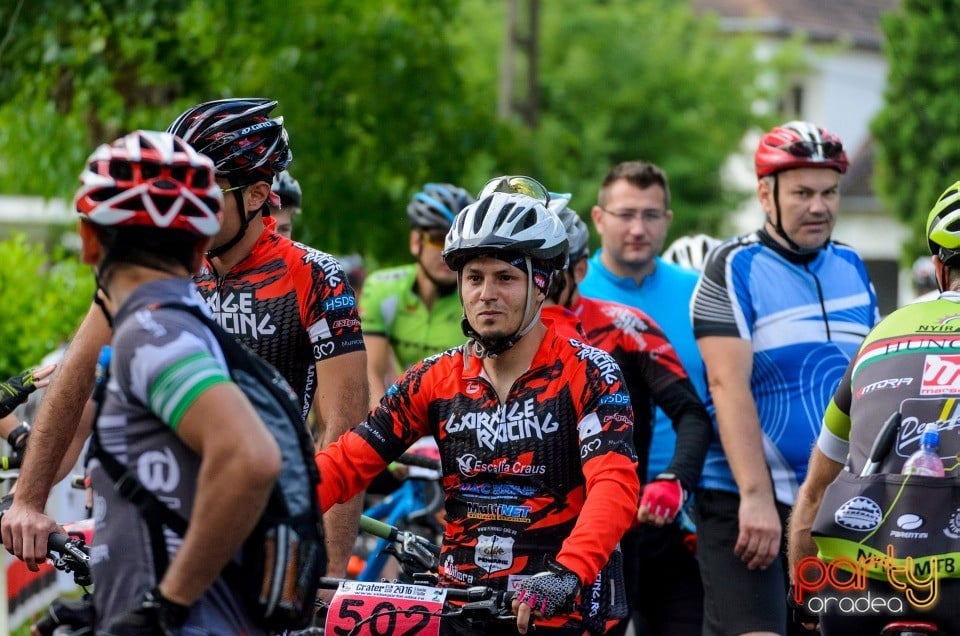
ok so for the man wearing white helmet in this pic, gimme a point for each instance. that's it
(526, 419)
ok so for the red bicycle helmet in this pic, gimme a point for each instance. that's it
(150, 179)
(244, 143)
(799, 144)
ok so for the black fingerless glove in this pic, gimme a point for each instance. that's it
(551, 592)
(14, 392)
(17, 438)
(799, 614)
(156, 616)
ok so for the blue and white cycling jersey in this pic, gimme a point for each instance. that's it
(805, 316)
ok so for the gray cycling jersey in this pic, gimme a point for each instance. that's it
(162, 361)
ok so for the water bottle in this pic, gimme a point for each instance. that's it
(103, 365)
(926, 460)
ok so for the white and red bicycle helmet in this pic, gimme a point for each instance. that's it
(150, 179)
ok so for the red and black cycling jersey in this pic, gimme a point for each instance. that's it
(290, 303)
(654, 376)
(549, 473)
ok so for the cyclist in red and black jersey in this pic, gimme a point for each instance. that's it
(654, 377)
(289, 303)
(534, 430)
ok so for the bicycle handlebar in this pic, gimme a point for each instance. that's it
(378, 528)
(466, 611)
(412, 459)
(74, 556)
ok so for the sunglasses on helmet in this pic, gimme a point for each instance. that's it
(516, 185)
(811, 149)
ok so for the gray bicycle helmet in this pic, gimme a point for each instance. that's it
(287, 188)
(437, 205)
(578, 235)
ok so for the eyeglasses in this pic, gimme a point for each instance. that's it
(436, 240)
(650, 215)
(811, 149)
(516, 185)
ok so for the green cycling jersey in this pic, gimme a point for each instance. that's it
(390, 307)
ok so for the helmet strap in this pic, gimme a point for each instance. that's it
(492, 347)
(778, 224)
(245, 219)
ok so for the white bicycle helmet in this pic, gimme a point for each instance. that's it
(690, 251)
(510, 223)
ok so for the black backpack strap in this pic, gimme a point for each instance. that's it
(128, 486)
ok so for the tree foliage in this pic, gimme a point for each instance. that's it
(43, 301)
(382, 96)
(918, 130)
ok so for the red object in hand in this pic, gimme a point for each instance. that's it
(663, 497)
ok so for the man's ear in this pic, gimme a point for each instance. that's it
(596, 215)
(765, 195)
(580, 270)
(255, 195)
(90, 247)
(415, 243)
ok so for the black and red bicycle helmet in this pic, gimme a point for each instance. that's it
(244, 143)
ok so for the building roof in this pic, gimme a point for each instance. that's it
(822, 20)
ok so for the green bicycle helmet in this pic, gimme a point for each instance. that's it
(943, 224)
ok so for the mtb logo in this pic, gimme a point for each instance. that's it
(331, 268)
(889, 383)
(941, 375)
(237, 314)
(518, 423)
(451, 571)
(158, 470)
(499, 512)
(469, 466)
(602, 360)
(494, 553)
(629, 322)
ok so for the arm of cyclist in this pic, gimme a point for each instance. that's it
(239, 465)
(826, 461)
(379, 365)
(347, 466)
(821, 471)
(607, 513)
(729, 364)
(662, 499)
(341, 402)
(25, 526)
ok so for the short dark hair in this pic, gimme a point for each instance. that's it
(148, 246)
(642, 174)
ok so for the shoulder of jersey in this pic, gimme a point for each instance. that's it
(722, 252)
(390, 275)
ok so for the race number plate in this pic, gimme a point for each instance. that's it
(378, 609)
